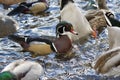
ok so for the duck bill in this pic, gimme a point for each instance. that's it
(94, 33)
(73, 32)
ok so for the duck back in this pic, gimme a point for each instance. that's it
(38, 7)
(113, 35)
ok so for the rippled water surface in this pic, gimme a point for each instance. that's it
(77, 68)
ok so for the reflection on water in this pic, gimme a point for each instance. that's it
(77, 68)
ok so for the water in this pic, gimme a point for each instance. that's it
(77, 68)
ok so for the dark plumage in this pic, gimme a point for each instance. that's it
(65, 2)
(113, 21)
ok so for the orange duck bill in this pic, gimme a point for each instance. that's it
(94, 33)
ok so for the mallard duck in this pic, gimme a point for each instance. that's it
(8, 25)
(102, 5)
(97, 20)
(109, 62)
(40, 46)
(72, 14)
(30, 8)
(22, 70)
(96, 17)
(7, 3)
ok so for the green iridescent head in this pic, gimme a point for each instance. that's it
(7, 76)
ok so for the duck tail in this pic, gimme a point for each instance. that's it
(18, 38)
(20, 9)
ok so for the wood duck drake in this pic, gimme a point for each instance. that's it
(7, 3)
(8, 26)
(22, 70)
(72, 14)
(40, 46)
(30, 8)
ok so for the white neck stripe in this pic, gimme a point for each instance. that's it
(54, 47)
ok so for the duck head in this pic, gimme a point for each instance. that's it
(7, 76)
(63, 28)
(64, 2)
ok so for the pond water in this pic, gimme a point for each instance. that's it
(77, 68)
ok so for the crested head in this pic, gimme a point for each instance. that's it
(64, 2)
(63, 27)
(7, 76)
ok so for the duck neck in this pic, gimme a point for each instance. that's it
(7, 76)
(102, 4)
(65, 2)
